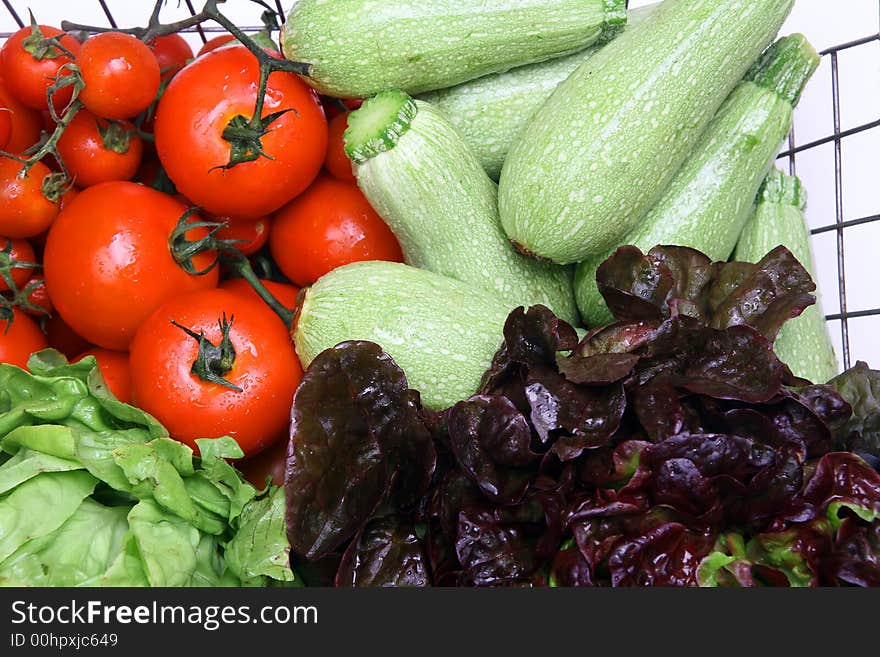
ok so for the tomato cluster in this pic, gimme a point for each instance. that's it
(98, 234)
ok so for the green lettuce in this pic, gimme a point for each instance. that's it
(93, 492)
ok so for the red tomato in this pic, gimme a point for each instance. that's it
(39, 296)
(195, 111)
(336, 161)
(24, 209)
(268, 464)
(115, 369)
(172, 52)
(285, 293)
(214, 43)
(28, 77)
(330, 225)
(120, 73)
(39, 241)
(265, 369)
(333, 107)
(253, 233)
(20, 339)
(5, 127)
(26, 122)
(96, 150)
(21, 251)
(63, 338)
(107, 262)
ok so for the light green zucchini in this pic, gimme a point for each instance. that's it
(603, 148)
(490, 111)
(442, 333)
(357, 48)
(424, 181)
(803, 343)
(712, 196)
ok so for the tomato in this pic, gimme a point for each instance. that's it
(26, 122)
(96, 150)
(214, 43)
(265, 369)
(284, 292)
(28, 77)
(268, 464)
(39, 296)
(172, 52)
(121, 75)
(115, 370)
(5, 127)
(108, 265)
(39, 241)
(196, 109)
(330, 225)
(20, 251)
(336, 161)
(333, 107)
(20, 339)
(63, 338)
(24, 209)
(253, 233)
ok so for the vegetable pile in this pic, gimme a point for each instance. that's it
(441, 293)
(671, 448)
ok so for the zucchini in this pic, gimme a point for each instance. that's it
(424, 181)
(442, 333)
(712, 196)
(490, 111)
(357, 48)
(600, 152)
(803, 343)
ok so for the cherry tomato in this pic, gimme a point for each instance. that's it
(268, 464)
(21, 251)
(265, 369)
(195, 111)
(63, 338)
(39, 241)
(24, 209)
(285, 293)
(96, 150)
(115, 369)
(336, 161)
(172, 52)
(26, 122)
(107, 261)
(29, 77)
(330, 225)
(39, 296)
(214, 43)
(253, 233)
(20, 339)
(121, 75)
(5, 127)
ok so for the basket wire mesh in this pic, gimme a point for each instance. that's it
(791, 151)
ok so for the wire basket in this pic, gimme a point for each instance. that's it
(844, 247)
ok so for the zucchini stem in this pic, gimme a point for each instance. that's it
(786, 67)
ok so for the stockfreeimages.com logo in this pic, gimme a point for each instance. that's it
(209, 617)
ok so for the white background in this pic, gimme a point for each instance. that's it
(825, 23)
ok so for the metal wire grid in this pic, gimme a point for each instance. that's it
(840, 224)
(837, 136)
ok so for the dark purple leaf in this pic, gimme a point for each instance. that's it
(659, 409)
(776, 291)
(570, 569)
(386, 552)
(855, 560)
(635, 287)
(841, 481)
(612, 467)
(491, 551)
(491, 442)
(597, 370)
(355, 425)
(668, 555)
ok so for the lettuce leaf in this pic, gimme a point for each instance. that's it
(93, 492)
